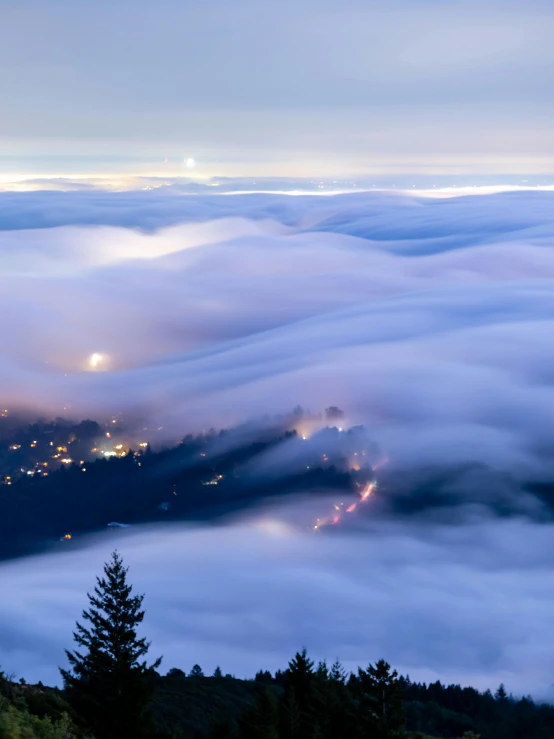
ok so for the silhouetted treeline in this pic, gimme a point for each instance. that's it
(194, 706)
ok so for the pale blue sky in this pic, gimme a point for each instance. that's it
(287, 88)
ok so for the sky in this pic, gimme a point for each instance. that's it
(257, 88)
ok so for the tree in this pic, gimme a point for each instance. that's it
(217, 672)
(300, 676)
(338, 673)
(196, 671)
(290, 717)
(333, 413)
(322, 671)
(175, 672)
(264, 676)
(501, 694)
(299, 706)
(335, 713)
(261, 719)
(380, 700)
(108, 683)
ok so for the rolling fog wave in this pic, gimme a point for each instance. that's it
(428, 320)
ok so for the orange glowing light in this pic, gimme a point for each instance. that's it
(370, 487)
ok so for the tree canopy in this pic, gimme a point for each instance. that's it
(108, 680)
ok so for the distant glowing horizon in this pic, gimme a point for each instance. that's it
(426, 184)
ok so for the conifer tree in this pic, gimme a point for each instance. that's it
(380, 701)
(338, 673)
(300, 677)
(334, 708)
(108, 682)
(264, 676)
(291, 720)
(261, 718)
(322, 671)
(501, 694)
(301, 696)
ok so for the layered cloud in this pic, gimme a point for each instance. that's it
(428, 320)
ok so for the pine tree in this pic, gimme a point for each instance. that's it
(217, 672)
(108, 682)
(264, 676)
(380, 701)
(261, 718)
(301, 696)
(322, 671)
(300, 677)
(501, 694)
(335, 713)
(196, 671)
(290, 717)
(338, 673)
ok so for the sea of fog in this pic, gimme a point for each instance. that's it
(470, 604)
(428, 320)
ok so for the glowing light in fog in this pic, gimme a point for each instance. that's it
(95, 360)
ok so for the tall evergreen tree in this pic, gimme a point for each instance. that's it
(380, 701)
(334, 714)
(301, 696)
(501, 694)
(108, 681)
(300, 677)
(338, 673)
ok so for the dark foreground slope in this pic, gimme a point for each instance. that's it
(210, 707)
